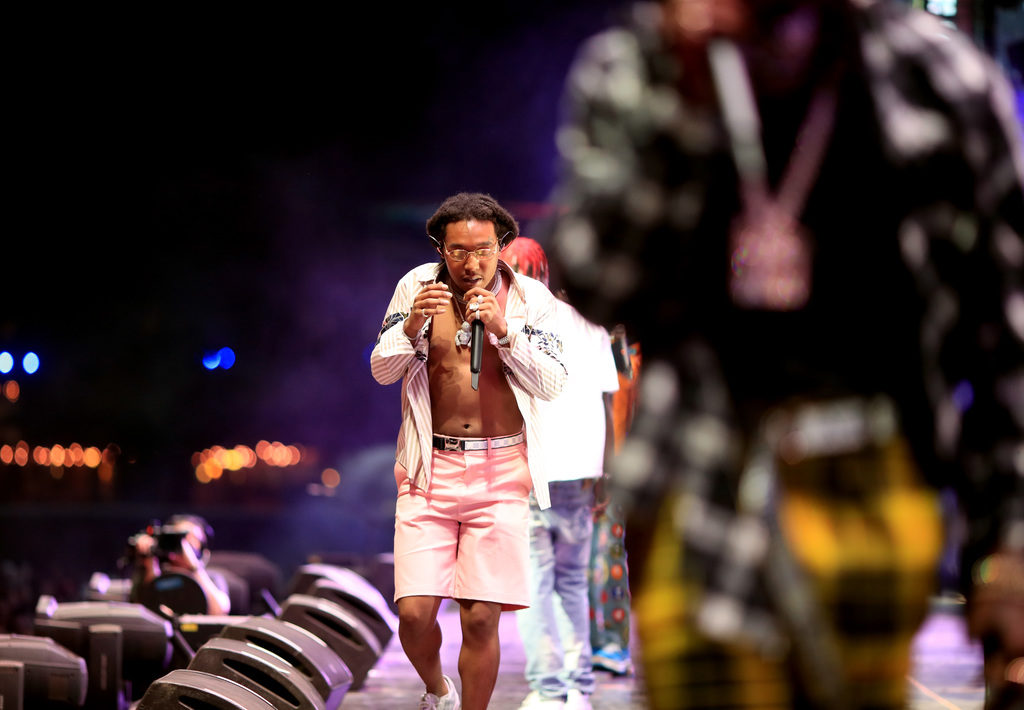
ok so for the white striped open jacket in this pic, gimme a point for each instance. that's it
(532, 364)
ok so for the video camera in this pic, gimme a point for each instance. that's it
(166, 539)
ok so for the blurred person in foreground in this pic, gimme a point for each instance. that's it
(810, 214)
(179, 546)
(576, 426)
(468, 451)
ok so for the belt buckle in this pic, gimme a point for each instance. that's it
(451, 444)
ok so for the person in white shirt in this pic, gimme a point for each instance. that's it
(577, 431)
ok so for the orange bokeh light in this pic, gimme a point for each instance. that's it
(21, 453)
(211, 463)
(201, 474)
(330, 478)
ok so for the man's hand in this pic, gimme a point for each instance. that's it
(432, 300)
(482, 304)
(144, 545)
(185, 558)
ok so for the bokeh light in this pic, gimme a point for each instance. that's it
(223, 358)
(211, 361)
(56, 456)
(92, 457)
(330, 478)
(210, 463)
(6, 362)
(30, 363)
(227, 358)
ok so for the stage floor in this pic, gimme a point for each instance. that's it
(392, 684)
(946, 672)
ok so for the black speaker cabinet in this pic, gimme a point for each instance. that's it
(108, 689)
(103, 588)
(146, 636)
(321, 666)
(262, 576)
(351, 591)
(197, 629)
(266, 673)
(185, 688)
(342, 630)
(378, 570)
(38, 672)
(12, 685)
(177, 591)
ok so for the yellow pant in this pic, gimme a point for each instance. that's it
(866, 534)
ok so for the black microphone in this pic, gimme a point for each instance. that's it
(476, 348)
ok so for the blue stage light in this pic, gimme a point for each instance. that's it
(227, 357)
(30, 363)
(211, 361)
(6, 362)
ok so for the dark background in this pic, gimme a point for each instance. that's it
(181, 182)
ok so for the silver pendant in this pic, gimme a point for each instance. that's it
(771, 262)
(462, 336)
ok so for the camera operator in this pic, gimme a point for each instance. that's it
(178, 546)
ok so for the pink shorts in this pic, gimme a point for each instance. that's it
(467, 536)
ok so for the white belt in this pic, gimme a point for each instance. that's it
(455, 443)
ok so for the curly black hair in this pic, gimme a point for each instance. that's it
(472, 205)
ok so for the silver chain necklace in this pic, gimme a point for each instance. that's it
(462, 335)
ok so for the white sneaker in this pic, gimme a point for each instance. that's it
(576, 700)
(535, 701)
(448, 701)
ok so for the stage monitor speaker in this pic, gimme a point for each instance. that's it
(197, 629)
(266, 673)
(146, 636)
(309, 574)
(12, 685)
(378, 569)
(108, 690)
(351, 591)
(102, 588)
(177, 591)
(343, 631)
(262, 575)
(235, 586)
(310, 655)
(51, 674)
(184, 688)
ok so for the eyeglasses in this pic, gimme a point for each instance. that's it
(462, 254)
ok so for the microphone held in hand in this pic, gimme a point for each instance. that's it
(476, 347)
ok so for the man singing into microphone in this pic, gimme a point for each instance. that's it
(461, 464)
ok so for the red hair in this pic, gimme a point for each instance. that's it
(526, 256)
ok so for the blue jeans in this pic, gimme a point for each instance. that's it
(555, 629)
